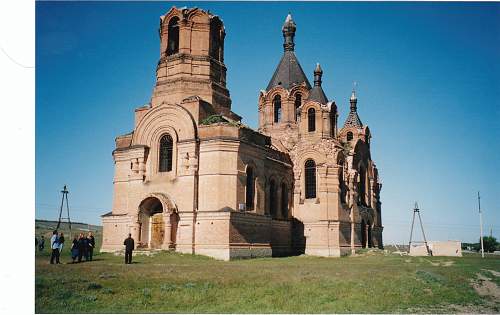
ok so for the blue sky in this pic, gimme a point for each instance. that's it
(428, 87)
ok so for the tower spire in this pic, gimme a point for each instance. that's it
(318, 73)
(288, 30)
(354, 99)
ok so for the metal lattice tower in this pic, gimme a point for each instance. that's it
(416, 210)
(65, 193)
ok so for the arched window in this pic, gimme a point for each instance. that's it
(166, 146)
(349, 136)
(298, 103)
(362, 186)
(277, 108)
(173, 36)
(342, 185)
(216, 39)
(310, 179)
(273, 192)
(332, 122)
(284, 201)
(311, 119)
(250, 189)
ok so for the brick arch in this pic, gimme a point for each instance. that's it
(198, 16)
(275, 91)
(165, 115)
(166, 201)
(302, 89)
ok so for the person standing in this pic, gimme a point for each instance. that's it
(61, 242)
(81, 247)
(74, 249)
(36, 243)
(54, 245)
(41, 244)
(86, 246)
(129, 247)
(91, 241)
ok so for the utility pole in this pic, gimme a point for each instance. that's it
(416, 210)
(65, 193)
(480, 223)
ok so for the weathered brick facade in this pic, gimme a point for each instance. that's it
(190, 177)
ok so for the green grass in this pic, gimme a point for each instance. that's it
(176, 283)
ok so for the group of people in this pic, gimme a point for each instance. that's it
(81, 247)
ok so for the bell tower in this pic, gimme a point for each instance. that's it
(191, 59)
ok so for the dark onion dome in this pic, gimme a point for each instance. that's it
(317, 94)
(353, 118)
(289, 72)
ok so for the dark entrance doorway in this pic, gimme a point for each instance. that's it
(152, 225)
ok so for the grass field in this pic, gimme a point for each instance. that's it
(373, 282)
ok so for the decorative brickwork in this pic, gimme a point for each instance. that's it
(184, 175)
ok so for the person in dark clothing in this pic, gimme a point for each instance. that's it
(54, 245)
(36, 243)
(129, 247)
(74, 249)
(91, 242)
(86, 244)
(82, 244)
(61, 242)
(41, 244)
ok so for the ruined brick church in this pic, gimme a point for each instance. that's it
(192, 178)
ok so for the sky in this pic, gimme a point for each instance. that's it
(428, 86)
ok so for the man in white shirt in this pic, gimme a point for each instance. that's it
(54, 245)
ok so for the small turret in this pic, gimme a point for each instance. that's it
(317, 94)
(318, 73)
(353, 119)
(354, 101)
(288, 29)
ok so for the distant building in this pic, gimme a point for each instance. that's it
(190, 177)
(438, 248)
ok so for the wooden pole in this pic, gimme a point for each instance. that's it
(480, 224)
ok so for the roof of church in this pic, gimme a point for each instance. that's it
(353, 118)
(317, 94)
(288, 73)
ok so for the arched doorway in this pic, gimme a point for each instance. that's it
(151, 223)
(363, 234)
(369, 227)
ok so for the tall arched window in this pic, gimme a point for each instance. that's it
(277, 108)
(250, 189)
(166, 146)
(216, 39)
(311, 119)
(362, 185)
(173, 36)
(298, 103)
(349, 136)
(342, 185)
(310, 179)
(332, 122)
(284, 201)
(273, 192)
